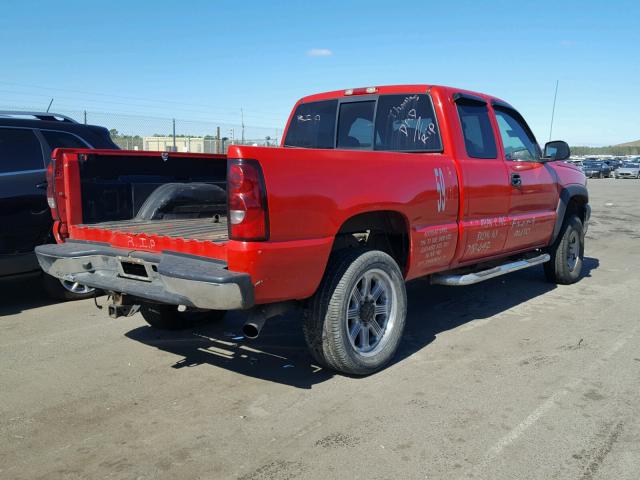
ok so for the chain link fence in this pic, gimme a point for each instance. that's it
(137, 132)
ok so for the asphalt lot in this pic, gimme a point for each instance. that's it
(512, 378)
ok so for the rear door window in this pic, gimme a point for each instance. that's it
(355, 125)
(57, 139)
(313, 125)
(479, 140)
(20, 150)
(406, 123)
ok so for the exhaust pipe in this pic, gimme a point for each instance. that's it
(259, 315)
(252, 328)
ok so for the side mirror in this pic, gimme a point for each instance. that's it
(556, 150)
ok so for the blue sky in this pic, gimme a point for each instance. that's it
(204, 60)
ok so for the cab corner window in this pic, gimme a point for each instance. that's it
(313, 125)
(479, 140)
(355, 125)
(406, 123)
(517, 140)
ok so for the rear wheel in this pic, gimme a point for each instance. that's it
(354, 322)
(567, 253)
(66, 290)
(167, 317)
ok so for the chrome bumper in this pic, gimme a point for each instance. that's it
(167, 277)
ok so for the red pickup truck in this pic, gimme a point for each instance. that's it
(370, 188)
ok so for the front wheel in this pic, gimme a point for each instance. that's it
(567, 253)
(167, 317)
(354, 322)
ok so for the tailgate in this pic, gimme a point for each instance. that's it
(103, 196)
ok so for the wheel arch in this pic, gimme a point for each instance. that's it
(573, 199)
(386, 230)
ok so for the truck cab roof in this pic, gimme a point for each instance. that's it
(399, 89)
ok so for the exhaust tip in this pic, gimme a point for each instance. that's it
(251, 330)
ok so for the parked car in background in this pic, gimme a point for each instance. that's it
(596, 169)
(614, 163)
(575, 161)
(628, 170)
(27, 140)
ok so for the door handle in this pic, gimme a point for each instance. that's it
(516, 181)
(41, 186)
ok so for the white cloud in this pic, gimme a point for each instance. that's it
(319, 52)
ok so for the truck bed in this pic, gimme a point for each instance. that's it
(209, 229)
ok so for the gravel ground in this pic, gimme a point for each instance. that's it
(512, 378)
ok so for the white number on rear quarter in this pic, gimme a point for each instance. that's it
(441, 188)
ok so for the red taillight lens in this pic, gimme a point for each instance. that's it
(51, 195)
(247, 200)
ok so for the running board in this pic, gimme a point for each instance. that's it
(481, 276)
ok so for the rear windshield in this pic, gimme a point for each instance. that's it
(401, 123)
(313, 125)
(406, 123)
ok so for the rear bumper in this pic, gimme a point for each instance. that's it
(167, 277)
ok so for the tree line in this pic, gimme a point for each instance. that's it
(617, 150)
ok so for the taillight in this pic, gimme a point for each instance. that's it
(247, 199)
(51, 193)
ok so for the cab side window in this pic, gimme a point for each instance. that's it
(518, 141)
(20, 150)
(479, 140)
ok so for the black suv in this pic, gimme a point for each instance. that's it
(26, 142)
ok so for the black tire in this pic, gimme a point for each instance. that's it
(56, 289)
(167, 317)
(326, 318)
(566, 261)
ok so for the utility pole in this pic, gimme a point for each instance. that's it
(242, 120)
(85, 117)
(175, 149)
(553, 110)
(218, 149)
